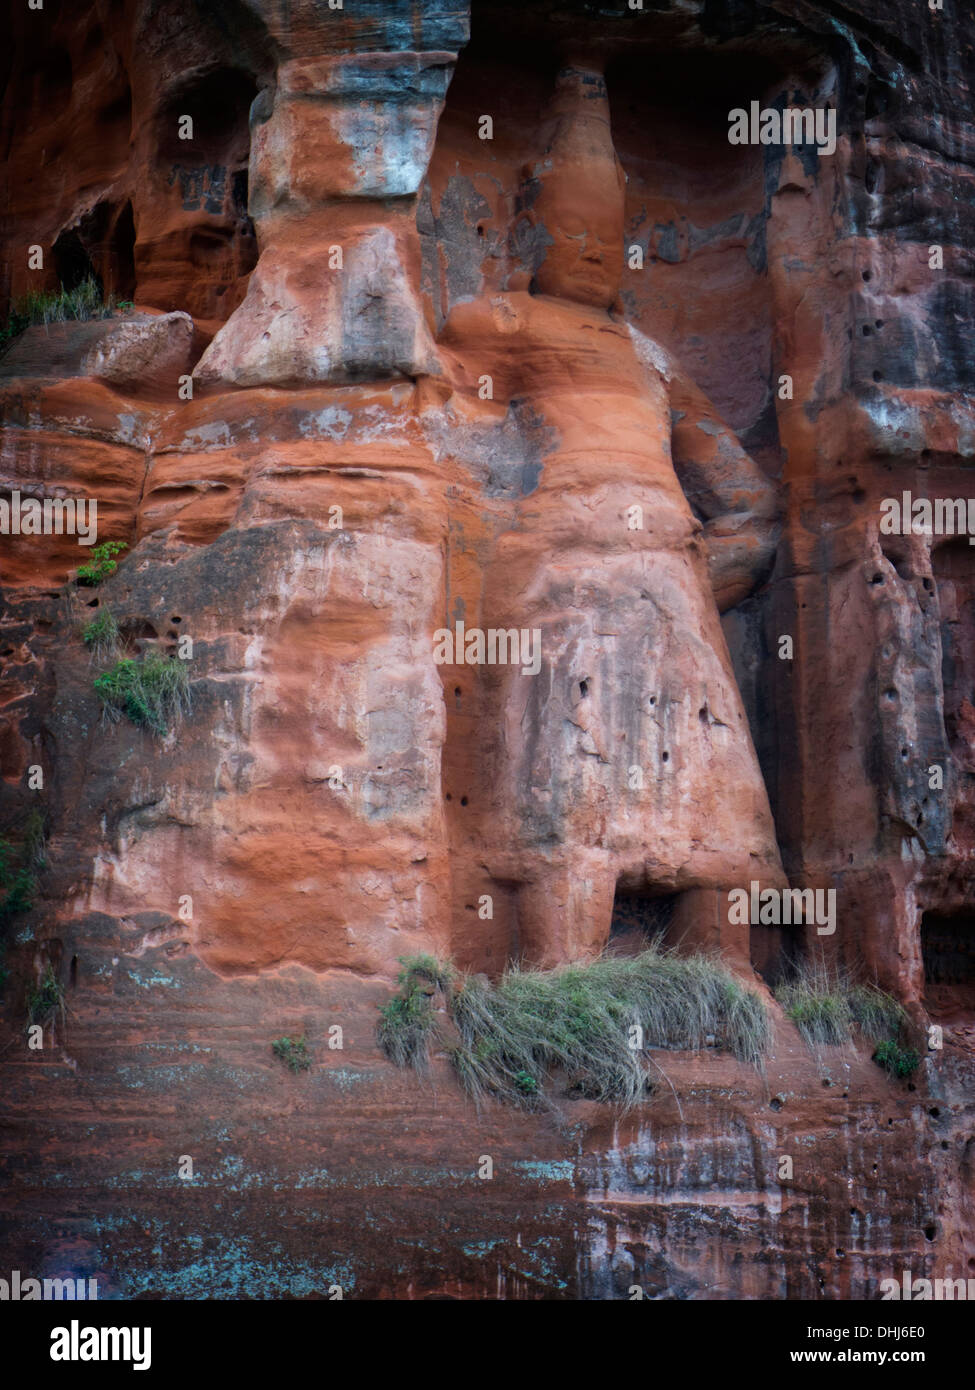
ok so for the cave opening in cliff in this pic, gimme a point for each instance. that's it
(953, 563)
(948, 950)
(641, 917)
(72, 263)
(217, 105)
(100, 247)
(107, 236)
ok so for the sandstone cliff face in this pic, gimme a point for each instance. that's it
(445, 317)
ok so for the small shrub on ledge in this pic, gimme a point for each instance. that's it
(102, 636)
(590, 1023)
(101, 563)
(407, 1021)
(154, 692)
(19, 866)
(17, 883)
(293, 1052)
(896, 1060)
(45, 998)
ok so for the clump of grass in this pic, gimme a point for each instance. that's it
(819, 1006)
(407, 1021)
(101, 563)
(876, 1014)
(582, 1020)
(829, 1009)
(102, 636)
(154, 692)
(84, 302)
(46, 997)
(293, 1052)
(589, 1022)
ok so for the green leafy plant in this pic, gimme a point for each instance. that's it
(101, 564)
(578, 1020)
(407, 1021)
(896, 1060)
(102, 635)
(46, 997)
(17, 880)
(293, 1052)
(83, 302)
(154, 692)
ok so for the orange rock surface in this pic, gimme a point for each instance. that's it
(587, 375)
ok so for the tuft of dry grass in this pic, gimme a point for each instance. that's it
(154, 692)
(590, 1022)
(828, 1007)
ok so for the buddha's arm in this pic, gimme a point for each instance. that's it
(736, 502)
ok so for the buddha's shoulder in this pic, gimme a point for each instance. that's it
(653, 356)
(530, 316)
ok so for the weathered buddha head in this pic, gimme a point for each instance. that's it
(576, 194)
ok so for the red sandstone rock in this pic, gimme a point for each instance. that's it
(603, 377)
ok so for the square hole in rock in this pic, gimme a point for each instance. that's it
(640, 917)
(948, 948)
